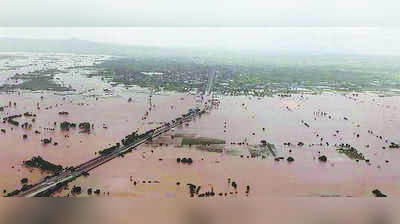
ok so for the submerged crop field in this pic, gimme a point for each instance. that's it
(308, 136)
(203, 112)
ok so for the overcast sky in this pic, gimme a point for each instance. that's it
(199, 13)
(375, 24)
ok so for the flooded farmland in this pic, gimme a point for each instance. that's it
(246, 140)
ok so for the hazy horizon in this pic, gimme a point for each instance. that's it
(338, 40)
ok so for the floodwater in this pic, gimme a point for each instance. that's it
(306, 177)
(236, 119)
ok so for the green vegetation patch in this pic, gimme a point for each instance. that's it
(39, 162)
(351, 152)
(201, 141)
(67, 125)
(35, 81)
(263, 150)
(181, 135)
(211, 148)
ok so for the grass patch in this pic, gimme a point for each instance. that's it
(351, 152)
(262, 150)
(182, 135)
(211, 148)
(35, 81)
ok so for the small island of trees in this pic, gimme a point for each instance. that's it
(40, 163)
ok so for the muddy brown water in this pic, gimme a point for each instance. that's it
(305, 177)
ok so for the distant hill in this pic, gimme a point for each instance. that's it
(72, 46)
(37, 45)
